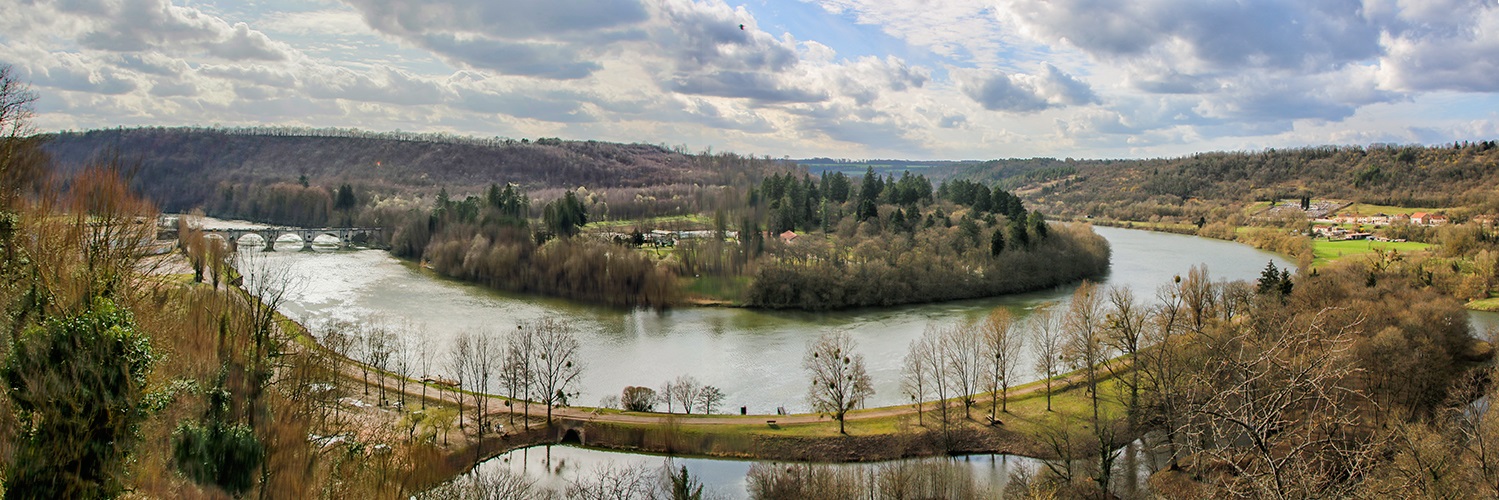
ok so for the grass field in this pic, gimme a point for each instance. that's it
(1328, 251)
(729, 289)
(655, 222)
(1490, 304)
(1367, 209)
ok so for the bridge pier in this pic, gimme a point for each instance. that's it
(270, 236)
(307, 237)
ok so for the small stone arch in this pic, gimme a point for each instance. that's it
(572, 436)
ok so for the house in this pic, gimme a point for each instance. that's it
(788, 237)
(1428, 219)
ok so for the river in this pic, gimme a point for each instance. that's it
(753, 356)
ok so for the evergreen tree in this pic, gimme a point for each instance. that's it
(77, 386)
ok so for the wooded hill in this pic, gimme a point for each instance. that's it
(1455, 175)
(182, 168)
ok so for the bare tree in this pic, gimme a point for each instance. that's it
(20, 160)
(1162, 365)
(479, 374)
(379, 346)
(556, 363)
(709, 397)
(962, 351)
(839, 381)
(460, 356)
(1276, 404)
(1046, 324)
(1003, 344)
(1125, 330)
(1085, 337)
(1198, 297)
(914, 376)
(191, 240)
(666, 393)
(517, 375)
(424, 361)
(401, 363)
(685, 390)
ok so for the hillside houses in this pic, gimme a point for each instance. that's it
(1428, 219)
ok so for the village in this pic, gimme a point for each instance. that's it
(1341, 220)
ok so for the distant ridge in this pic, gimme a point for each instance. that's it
(182, 167)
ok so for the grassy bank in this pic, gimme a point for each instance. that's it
(873, 434)
(1327, 251)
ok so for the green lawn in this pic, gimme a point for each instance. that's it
(1328, 251)
(657, 222)
(729, 289)
(1490, 304)
(1367, 209)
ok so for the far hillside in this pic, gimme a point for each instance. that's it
(292, 175)
(1433, 207)
(1462, 177)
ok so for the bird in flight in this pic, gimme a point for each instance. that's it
(741, 27)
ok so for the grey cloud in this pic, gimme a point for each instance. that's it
(166, 88)
(152, 64)
(867, 78)
(1458, 52)
(73, 72)
(1022, 93)
(1001, 93)
(1289, 34)
(552, 107)
(707, 37)
(953, 121)
(707, 113)
(760, 87)
(1061, 88)
(527, 59)
(394, 87)
(259, 75)
(510, 19)
(141, 25)
(861, 126)
(556, 39)
(1172, 82)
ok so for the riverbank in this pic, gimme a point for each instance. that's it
(874, 434)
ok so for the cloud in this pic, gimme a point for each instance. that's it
(484, 95)
(554, 40)
(1022, 93)
(760, 87)
(1287, 34)
(863, 126)
(384, 85)
(1452, 52)
(144, 25)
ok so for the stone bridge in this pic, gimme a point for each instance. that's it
(347, 236)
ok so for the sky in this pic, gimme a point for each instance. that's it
(919, 79)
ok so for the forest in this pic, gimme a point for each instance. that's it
(804, 242)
